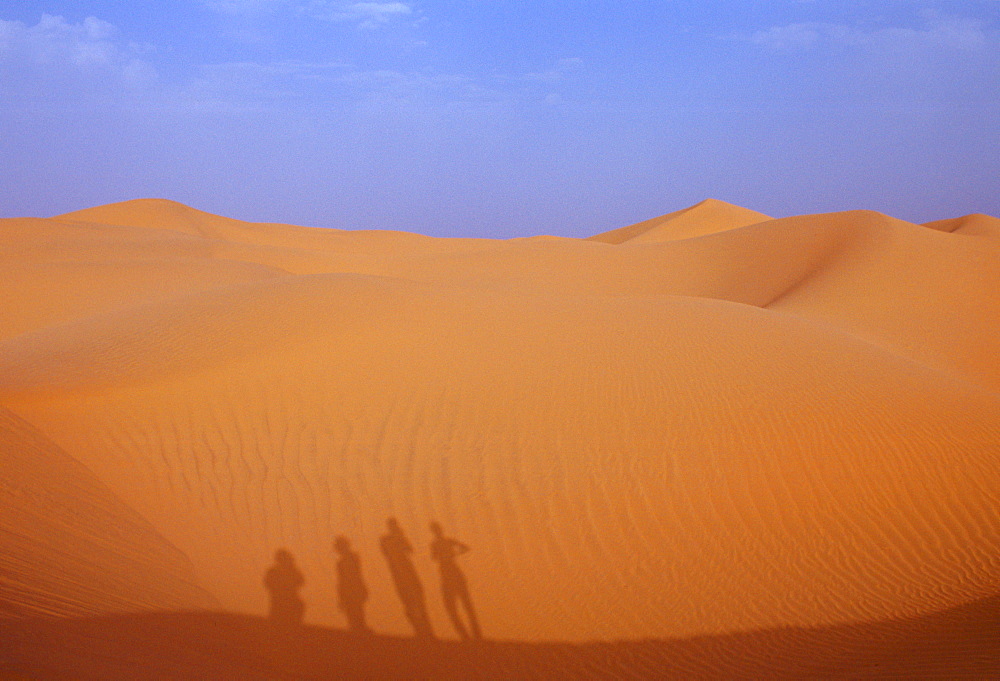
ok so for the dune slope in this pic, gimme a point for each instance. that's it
(711, 424)
(70, 546)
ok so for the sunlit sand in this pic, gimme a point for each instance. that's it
(733, 443)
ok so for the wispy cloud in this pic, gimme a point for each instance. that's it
(244, 7)
(950, 32)
(366, 14)
(69, 63)
(56, 46)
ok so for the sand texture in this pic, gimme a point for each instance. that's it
(712, 444)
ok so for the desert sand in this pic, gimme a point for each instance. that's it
(709, 445)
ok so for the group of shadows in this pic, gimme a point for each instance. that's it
(283, 581)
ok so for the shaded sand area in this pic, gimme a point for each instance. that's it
(947, 645)
(717, 442)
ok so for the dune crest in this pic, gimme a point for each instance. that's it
(976, 224)
(157, 214)
(708, 217)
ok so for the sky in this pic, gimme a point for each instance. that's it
(500, 118)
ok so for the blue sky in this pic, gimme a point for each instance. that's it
(500, 118)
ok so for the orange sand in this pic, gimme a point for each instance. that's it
(708, 424)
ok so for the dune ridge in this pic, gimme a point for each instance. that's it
(708, 217)
(708, 423)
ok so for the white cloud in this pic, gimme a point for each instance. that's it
(380, 9)
(366, 14)
(243, 7)
(55, 45)
(955, 33)
(54, 40)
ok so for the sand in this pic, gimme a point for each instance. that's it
(747, 444)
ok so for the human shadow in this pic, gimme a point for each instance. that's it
(351, 590)
(454, 588)
(397, 549)
(283, 581)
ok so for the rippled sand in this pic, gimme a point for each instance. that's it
(704, 427)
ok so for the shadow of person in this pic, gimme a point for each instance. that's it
(454, 588)
(283, 581)
(397, 549)
(351, 590)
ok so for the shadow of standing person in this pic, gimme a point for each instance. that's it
(397, 549)
(454, 588)
(351, 590)
(283, 581)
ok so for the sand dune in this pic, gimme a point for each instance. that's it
(970, 225)
(708, 217)
(70, 546)
(708, 423)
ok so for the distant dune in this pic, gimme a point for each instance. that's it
(707, 217)
(705, 426)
